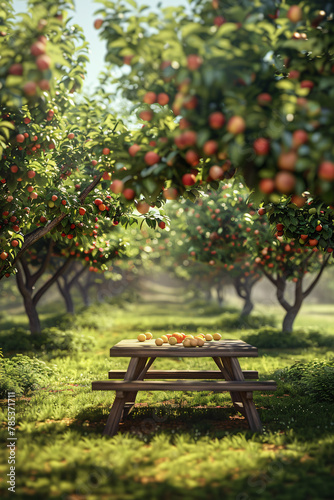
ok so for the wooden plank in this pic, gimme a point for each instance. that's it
(143, 366)
(182, 374)
(183, 385)
(117, 408)
(134, 348)
(252, 415)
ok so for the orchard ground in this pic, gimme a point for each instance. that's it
(174, 445)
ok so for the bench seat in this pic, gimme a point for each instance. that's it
(185, 374)
(184, 385)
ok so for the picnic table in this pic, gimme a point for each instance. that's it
(140, 377)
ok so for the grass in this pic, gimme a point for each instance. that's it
(174, 445)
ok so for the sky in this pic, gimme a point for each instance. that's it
(84, 17)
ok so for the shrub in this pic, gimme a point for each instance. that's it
(23, 375)
(230, 321)
(51, 339)
(314, 379)
(273, 338)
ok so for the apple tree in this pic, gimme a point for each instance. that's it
(47, 262)
(219, 230)
(302, 244)
(220, 84)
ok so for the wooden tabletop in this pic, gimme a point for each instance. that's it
(216, 348)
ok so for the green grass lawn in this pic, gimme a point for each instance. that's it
(174, 445)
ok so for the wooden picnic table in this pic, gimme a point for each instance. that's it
(139, 377)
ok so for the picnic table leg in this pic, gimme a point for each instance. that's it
(134, 369)
(235, 396)
(246, 398)
(140, 373)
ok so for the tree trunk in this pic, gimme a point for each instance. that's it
(65, 293)
(220, 299)
(289, 319)
(208, 295)
(84, 294)
(244, 290)
(248, 306)
(31, 311)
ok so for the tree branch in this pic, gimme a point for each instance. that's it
(35, 277)
(237, 286)
(37, 234)
(77, 276)
(312, 285)
(270, 277)
(19, 280)
(281, 284)
(50, 282)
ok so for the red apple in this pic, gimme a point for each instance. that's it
(261, 146)
(151, 158)
(133, 150)
(82, 211)
(146, 115)
(299, 137)
(163, 99)
(16, 69)
(306, 84)
(236, 125)
(192, 157)
(170, 193)
(216, 172)
(142, 207)
(150, 97)
(188, 180)
(264, 99)
(326, 171)
(20, 138)
(43, 62)
(117, 186)
(98, 23)
(219, 21)
(71, 135)
(162, 225)
(105, 151)
(267, 186)
(210, 148)
(129, 194)
(295, 14)
(31, 174)
(216, 120)
(44, 84)
(285, 182)
(37, 49)
(287, 161)
(194, 62)
(14, 169)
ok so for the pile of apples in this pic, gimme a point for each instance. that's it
(180, 338)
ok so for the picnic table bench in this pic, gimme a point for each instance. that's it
(139, 377)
